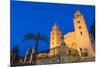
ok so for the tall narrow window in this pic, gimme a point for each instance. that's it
(52, 38)
(81, 33)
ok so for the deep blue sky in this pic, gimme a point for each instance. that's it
(34, 17)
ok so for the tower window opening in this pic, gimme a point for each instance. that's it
(77, 15)
(80, 27)
(52, 33)
(78, 22)
(53, 38)
(81, 33)
(53, 43)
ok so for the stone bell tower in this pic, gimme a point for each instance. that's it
(55, 40)
(82, 35)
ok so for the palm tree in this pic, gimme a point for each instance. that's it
(35, 37)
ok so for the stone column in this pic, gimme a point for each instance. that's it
(63, 54)
(26, 56)
(30, 61)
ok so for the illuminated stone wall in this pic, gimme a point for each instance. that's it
(79, 39)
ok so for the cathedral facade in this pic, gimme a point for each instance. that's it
(78, 40)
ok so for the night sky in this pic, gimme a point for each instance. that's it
(31, 17)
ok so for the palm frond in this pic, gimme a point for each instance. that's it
(43, 38)
(29, 36)
(35, 36)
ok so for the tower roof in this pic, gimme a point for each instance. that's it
(55, 25)
(77, 14)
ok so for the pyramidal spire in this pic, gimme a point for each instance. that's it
(55, 25)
